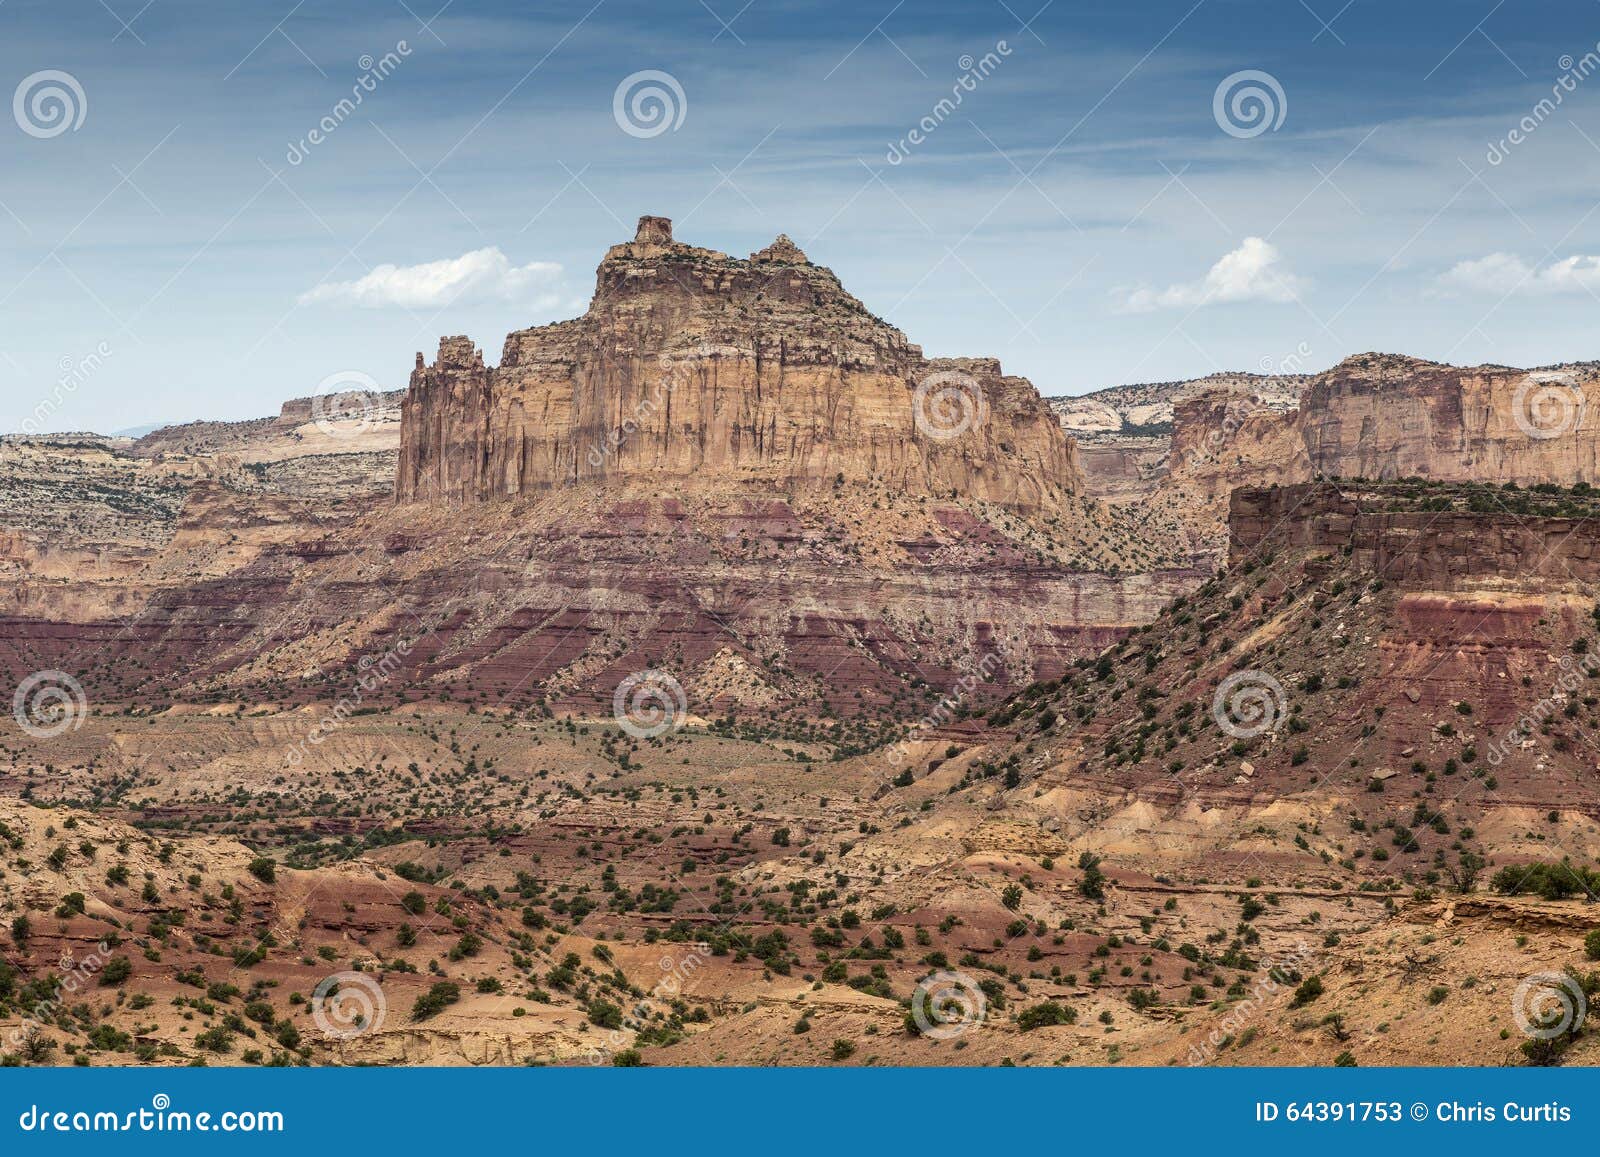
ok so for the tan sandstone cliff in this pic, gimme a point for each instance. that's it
(692, 363)
(1384, 416)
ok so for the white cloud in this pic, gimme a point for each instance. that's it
(1252, 272)
(483, 273)
(1505, 273)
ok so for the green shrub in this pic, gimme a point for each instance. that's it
(265, 869)
(1310, 988)
(1047, 1013)
(1555, 881)
(435, 1000)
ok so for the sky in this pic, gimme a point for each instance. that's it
(198, 219)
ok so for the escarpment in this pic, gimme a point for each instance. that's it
(1425, 534)
(730, 469)
(1383, 416)
(1372, 416)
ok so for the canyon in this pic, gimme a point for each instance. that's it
(1119, 720)
(1099, 870)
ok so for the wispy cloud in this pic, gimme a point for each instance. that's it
(1506, 273)
(1252, 272)
(476, 276)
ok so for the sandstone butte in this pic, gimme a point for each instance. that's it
(726, 467)
(690, 363)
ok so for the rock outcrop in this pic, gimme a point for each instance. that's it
(731, 470)
(1441, 549)
(693, 364)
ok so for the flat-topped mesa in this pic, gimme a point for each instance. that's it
(691, 364)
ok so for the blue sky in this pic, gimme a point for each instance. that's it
(1083, 214)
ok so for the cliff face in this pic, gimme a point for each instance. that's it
(1379, 416)
(1374, 416)
(1372, 646)
(690, 363)
(1123, 473)
(1223, 441)
(1216, 440)
(851, 599)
